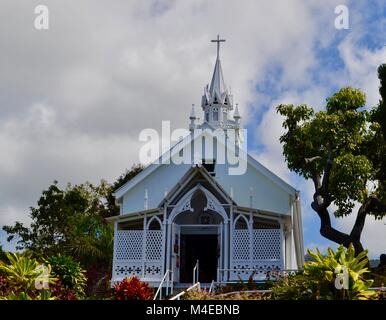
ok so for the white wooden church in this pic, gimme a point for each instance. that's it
(235, 225)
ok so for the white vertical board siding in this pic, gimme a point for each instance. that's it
(267, 195)
(163, 178)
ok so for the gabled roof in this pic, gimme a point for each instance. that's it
(181, 144)
(188, 176)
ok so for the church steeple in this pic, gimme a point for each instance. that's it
(217, 102)
(217, 85)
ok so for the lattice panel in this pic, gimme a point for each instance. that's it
(128, 244)
(154, 245)
(241, 245)
(266, 244)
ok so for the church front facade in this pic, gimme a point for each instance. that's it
(181, 218)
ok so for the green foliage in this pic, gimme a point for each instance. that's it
(69, 272)
(25, 278)
(294, 287)
(377, 143)
(345, 136)
(22, 273)
(198, 294)
(323, 278)
(42, 295)
(69, 221)
(349, 177)
(346, 99)
(324, 268)
(3, 255)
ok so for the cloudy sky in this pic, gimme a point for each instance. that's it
(74, 98)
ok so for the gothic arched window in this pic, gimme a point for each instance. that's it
(207, 116)
(215, 114)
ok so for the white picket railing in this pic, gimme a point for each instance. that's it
(259, 274)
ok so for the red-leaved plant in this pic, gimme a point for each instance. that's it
(132, 289)
(61, 292)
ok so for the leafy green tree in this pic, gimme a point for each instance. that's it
(336, 150)
(71, 221)
(377, 145)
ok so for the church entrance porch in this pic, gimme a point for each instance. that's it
(202, 247)
(231, 243)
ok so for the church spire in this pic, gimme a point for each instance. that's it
(217, 101)
(217, 85)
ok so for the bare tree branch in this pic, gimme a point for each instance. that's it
(310, 160)
(372, 204)
(327, 173)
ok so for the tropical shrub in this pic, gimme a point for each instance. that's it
(22, 277)
(132, 289)
(69, 273)
(294, 287)
(198, 294)
(338, 275)
(42, 295)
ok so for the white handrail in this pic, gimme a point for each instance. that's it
(211, 286)
(178, 296)
(195, 272)
(159, 290)
(197, 284)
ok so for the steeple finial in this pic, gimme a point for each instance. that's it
(218, 40)
(192, 113)
(236, 114)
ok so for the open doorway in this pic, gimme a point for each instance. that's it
(202, 247)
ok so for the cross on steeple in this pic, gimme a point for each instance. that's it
(218, 40)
